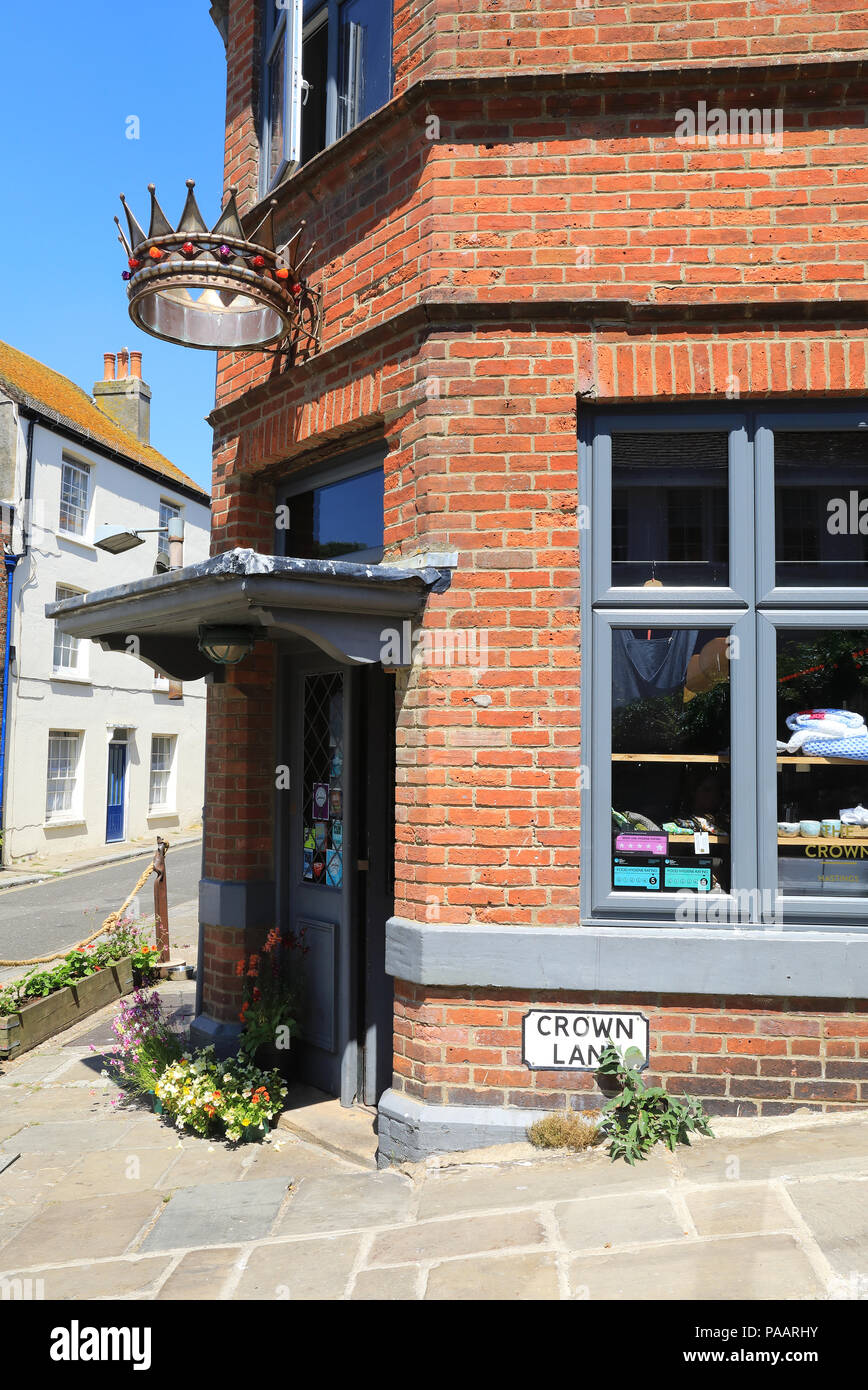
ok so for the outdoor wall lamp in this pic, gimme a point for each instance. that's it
(115, 540)
(225, 645)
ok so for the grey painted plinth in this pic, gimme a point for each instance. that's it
(206, 1031)
(409, 1130)
(647, 960)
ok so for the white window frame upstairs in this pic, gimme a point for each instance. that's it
(73, 466)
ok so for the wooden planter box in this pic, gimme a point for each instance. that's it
(59, 1011)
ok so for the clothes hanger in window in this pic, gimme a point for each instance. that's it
(652, 583)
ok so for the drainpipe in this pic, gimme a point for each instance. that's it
(11, 561)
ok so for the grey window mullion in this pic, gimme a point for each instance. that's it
(742, 579)
(743, 761)
(767, 767)
(600, 508)
(765, 512)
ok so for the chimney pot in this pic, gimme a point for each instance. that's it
(108, 366)
(136, 365)
(123, 363)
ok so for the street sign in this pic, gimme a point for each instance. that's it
(574, 1039)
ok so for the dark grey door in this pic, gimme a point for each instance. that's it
(322, 871)
(336, 833)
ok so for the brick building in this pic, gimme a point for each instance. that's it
(592, 375)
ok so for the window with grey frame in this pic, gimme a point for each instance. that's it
(327, 64)
(335, 512)
(725, 659)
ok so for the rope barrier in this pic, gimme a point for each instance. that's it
(109, 922)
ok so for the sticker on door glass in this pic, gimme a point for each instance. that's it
(334, 869)
(320, 801)
(307, 864)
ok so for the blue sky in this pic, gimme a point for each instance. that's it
(72, 75)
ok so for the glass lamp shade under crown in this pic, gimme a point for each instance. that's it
(225, 645)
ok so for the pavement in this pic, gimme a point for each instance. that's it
(101, 1201)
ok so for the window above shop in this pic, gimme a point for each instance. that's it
(334, 514)
(327, 66)
(725, 651)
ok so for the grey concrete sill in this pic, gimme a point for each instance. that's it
(647, 960)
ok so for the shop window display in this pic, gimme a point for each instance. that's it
(822, 761)
(671, 795)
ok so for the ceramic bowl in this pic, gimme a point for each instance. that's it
(788, 827)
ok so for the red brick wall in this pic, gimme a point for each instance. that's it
(747, 1055)
(239, 796)
(459, 36)
(549, 197)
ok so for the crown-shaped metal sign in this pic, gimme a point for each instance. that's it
(218, 288)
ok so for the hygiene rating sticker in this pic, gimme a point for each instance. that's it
(574, 1039)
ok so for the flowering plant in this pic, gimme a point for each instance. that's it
(272, 988)
(201, 1093)
(146, 1043)
(126, 938)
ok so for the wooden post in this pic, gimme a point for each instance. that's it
(161, 900)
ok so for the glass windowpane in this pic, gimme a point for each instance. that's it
(670, 759)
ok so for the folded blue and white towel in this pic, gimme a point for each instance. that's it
(828, 733)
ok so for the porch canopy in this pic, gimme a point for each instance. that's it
(345, 609)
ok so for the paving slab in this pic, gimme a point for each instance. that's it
(453, 1190)
(513, 1277)
(219, 1213)
(200, 1274)
(31, 1179)
(437, 1240)
(60, 1103)
(386, 1285)
(348, 1130)
(839, 1148)
(299, 1270)
(149, 1131)
(595, 1222)
(347, 1202)
(759, 1267)
(286, 1154)
(207, 1163)
(837, 1214)
(738, 1208)
(87, 1229)
(69, 1136)
(101, 1279)
(112, 1171)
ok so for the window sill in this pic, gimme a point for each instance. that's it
(76, 540)
(64, 821)
(162, 813)
(71, 680)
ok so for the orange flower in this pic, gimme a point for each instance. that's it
(272, 940)
(239, 969)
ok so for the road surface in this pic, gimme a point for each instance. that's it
(59, 912)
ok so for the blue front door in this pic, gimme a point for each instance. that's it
(117, 773)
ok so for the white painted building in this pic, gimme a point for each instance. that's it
(97, 750)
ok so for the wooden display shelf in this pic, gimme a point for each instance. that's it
(688, 839)
(824, 840)
(670, 757)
